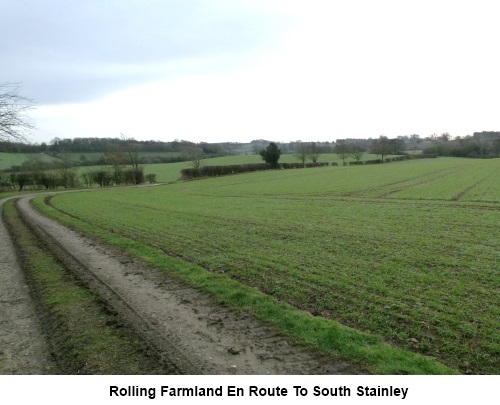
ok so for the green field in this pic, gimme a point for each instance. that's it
(407, 251)
(7, 160)
(165, 172)
(94, 156)
(171, 171)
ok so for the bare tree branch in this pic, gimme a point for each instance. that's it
(195, 154)
(313, 152)
(132, 149)
(301, 151)
(15, 125)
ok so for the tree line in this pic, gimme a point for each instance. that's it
(484, 144)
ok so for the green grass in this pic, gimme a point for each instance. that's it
(388, 249)
(89, 339)
(170, 172)
(167, 172)
(10, 159)
(7, 160)
(93, 156)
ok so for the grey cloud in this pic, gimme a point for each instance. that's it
(61, 51)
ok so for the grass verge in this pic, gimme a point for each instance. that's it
(319, 333)
(86, 338)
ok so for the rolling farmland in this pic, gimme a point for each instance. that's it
(408, 251)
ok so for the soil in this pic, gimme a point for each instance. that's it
(185, 327)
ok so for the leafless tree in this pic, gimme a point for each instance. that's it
(66, 173)
(343, 151)
(34, 166)
(132, 150)
(313, 153)
(357, 152)
(195, 154)
(15, 124)
(382, 146)
(301, 151)
(117, 159)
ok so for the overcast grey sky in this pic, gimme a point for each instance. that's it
(220, 70)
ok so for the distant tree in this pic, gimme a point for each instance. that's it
(415, 138)
(342, 149)
(116, 158)
(301, 151)
(21, 179)
(67, 175)
(357, 152)
(445, 137)
(35, 167)
(271, 154)
(432, 137)
(132, 148)
(195, 154)
(87, 179)
(15, 125)
(382, 146)
(398, 145)
(314, 152)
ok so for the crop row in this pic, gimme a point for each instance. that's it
(402, 269)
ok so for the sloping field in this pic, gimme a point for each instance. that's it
(171, 171)
(409, 251)
(7, 160)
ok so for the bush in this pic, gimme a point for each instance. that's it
(48, 180)
(292, 165)
(316, 164)
(213, 171)
(102, 177)
(133, 176)
(151, 178)
(20, 179)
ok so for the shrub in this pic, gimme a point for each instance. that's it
(212, 171)
(20, 179)
(102, 177)
(133, 176)
(292, 165)
(48, 180)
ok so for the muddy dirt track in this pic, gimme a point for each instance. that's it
(188, 331)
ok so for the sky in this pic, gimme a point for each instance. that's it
(234, 71)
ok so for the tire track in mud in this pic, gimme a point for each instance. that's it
(23, 348)
(184, 326)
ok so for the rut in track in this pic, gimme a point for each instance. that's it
(23, 348)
